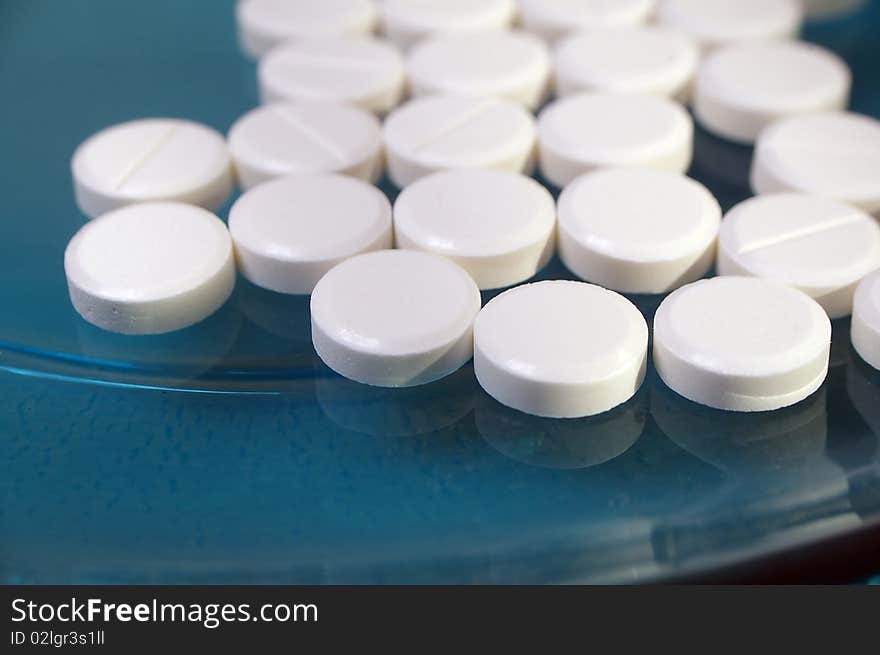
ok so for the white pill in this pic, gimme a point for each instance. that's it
(263, 24)
(365, 72)
(741, 89)
(721, 22)
(865, 333)
(821, 246)
(499, 227)
(150, 268)
(649, 60)
(395, 318)
(440, 132)
(741, 343)
(552, 19)
(407, 21)
(306, 137)
(289, 232)
(151, 160)
(503, 64)
(638, 230)
(560, 349)
(583, 132)
(833, 154)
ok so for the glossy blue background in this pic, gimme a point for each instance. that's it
(228, 453)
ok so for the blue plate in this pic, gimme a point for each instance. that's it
(229, 453)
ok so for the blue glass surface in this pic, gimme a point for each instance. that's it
(229, 453)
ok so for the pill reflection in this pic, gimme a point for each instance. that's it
(394, 412)
(561, 443)
(740, 442)
(856, 448)
(163, 359)
(779, 474)
(863, 390)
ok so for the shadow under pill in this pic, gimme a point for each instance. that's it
(282, 315)
(722, 166)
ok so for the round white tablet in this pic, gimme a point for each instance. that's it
(151, 160)
(263, 24)
(583, 132)
(499, 227)
(306, 137)
(289, 232)
(649, 60)
(741, 343)
(821, 246)
(721, 22)
(834, 154)
(395, 318)
(741, 89)
(638, 230)
(866, 320)
(506, 64)
(150, 268)
(560, 349)
(440, 132)
(365, 72)
(552, 19)
(408, 21)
